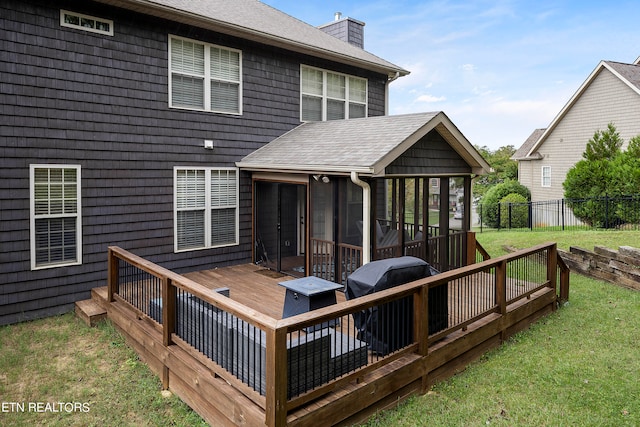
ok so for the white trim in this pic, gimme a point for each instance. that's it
(79, 26)
(32, 215)
(326, 97)
(207, 77)
(543, 176)
(207, 208)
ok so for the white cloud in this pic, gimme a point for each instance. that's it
(468, 67)
(430, 98)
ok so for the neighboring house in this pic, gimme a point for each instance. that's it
(126, 122)
(611, 94)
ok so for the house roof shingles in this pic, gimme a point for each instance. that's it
(364, 145)
(521, 153)
(254, 20)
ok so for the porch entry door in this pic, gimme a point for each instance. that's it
(280, 218)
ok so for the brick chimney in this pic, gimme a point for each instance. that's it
(347, 29)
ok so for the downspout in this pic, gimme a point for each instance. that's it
(390, 80)
(366, 216)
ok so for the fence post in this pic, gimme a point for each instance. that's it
(113, 276)
(530, 205)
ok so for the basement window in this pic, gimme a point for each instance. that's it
(86, 22)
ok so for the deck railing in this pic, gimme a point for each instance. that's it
(284, 364)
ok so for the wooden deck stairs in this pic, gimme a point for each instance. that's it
(93, 310)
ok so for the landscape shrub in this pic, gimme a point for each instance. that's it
(491, 200)
(514, 211)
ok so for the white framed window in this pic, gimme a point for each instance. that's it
(56, 221)
(326, 95)
(206, 208)
(83, 22)
(204, 76)
(546, 176)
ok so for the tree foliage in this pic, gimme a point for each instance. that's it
(605, 144)
(493, 196)
(503, 168)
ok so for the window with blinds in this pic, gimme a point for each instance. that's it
(55, 216)
(206, 208)
(325, 95)
(204, 77)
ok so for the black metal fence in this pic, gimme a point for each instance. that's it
(608, 212)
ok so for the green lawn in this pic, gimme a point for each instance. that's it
(578, 367)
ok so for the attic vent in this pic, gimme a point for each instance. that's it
(86, 22)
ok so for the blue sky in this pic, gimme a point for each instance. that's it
(498, 68)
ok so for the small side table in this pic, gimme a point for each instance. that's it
(309, 293)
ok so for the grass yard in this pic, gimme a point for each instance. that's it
(577, 367)
(60, 372)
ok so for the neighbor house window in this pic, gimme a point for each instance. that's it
(204, 76)
(206, 208)
(331, 96)
(56, 229)
(546, 176)
(86, 22)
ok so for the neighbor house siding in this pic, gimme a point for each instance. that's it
(101, 102)
(606, 100)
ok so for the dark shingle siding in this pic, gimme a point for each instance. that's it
(72, 97)
(431, 155)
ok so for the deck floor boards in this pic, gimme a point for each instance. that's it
(249, 284)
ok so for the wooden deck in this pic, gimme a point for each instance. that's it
(501, 306)
(252, 285)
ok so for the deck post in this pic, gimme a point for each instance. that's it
(168, 322)
(113, 266)
(552, 269)
(421, 328)
(471, 248)
(168, 310)
(501, 293)
(276, 377)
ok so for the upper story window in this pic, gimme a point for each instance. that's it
(86, 22)
(204, 76)
(546, 176)
(206, 208)
(331, 96)
(56, 228)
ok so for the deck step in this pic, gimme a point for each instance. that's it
(90, 311)
(99, 296)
